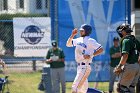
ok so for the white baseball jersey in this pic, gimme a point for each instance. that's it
(85, 46)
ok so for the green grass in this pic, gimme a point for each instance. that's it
(28, 82)
(101, 86)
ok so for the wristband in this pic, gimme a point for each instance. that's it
(119, 65)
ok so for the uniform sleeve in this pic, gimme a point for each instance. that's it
(95, 45)
(74, 42)
(125, 46)
(48, 54)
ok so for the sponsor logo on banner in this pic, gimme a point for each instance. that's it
(32, 34)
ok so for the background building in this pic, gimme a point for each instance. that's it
(135, 17)
(24, 6)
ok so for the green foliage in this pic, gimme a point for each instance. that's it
(6, 35)
(11, 16)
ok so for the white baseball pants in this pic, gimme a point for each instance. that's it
(80, 84)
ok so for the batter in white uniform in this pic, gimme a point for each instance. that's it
(86, 49)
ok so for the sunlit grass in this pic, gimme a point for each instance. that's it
(28, 83)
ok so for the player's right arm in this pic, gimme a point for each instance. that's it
(69, 41)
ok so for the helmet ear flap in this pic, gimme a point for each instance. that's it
(119, 33)
(88, 32)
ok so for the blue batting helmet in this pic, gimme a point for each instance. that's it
(87, 29)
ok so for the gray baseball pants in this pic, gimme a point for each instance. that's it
(58, 77)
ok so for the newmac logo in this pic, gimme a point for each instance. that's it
(32, 34)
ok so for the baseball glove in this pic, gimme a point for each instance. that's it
(119, 69)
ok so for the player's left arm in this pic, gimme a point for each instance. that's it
(125, 51)
(120, 67)
(98, 52)
(97, 47)
(123, 59)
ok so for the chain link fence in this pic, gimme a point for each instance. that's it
(24, 73)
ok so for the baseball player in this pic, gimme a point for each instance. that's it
(115, 59)
(56, 59)
(86, 49)
(128, 68)
(2, 63)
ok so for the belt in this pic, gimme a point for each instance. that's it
(83, 63)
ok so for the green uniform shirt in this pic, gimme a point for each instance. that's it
(58, 53)
(114, 61)
(131, 46)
